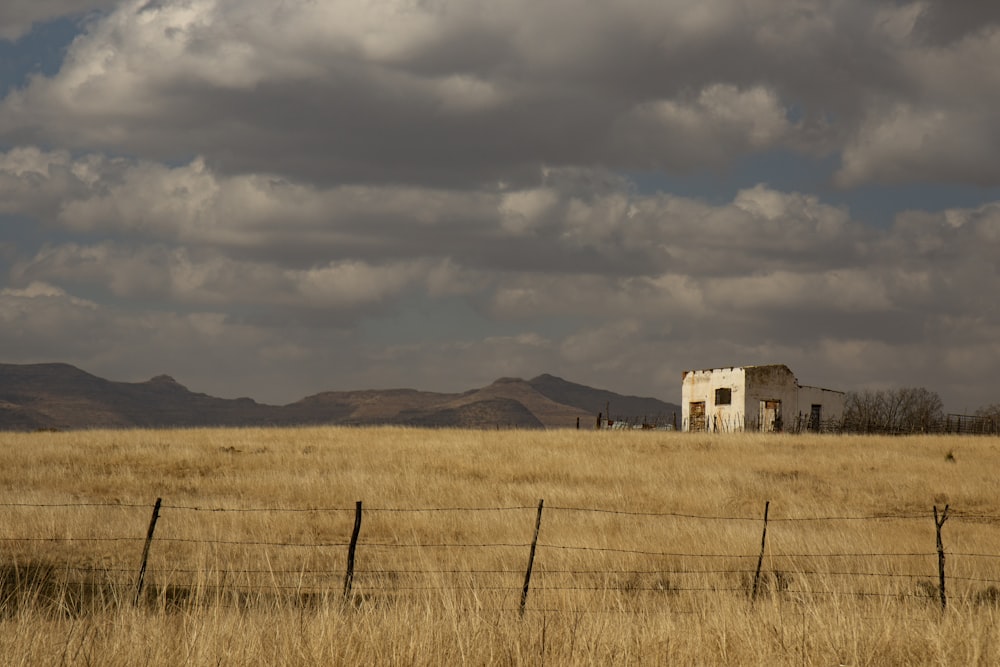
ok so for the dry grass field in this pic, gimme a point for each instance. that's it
(647, 549)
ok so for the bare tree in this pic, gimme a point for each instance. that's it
(990, 419)
(908, 410)
(989, 411)
(863, 411)
(921, 410)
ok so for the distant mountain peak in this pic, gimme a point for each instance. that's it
(549, 377)
(593, 400)
(62, 396)
(508, 380)
(163, 380)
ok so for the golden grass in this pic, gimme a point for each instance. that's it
(633, 583)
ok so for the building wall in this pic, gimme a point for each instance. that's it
(770, 384)
(831, 402)
(760, 398)
(701, 386)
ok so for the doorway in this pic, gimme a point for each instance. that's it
(696, 420)
(770, 416)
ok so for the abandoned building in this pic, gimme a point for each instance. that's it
(756, 398)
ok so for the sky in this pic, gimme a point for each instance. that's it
(272, 199)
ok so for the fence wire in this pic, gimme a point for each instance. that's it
(193, 557)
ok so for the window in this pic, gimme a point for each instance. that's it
(723, 396)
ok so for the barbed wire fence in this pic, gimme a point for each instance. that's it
(73, 557)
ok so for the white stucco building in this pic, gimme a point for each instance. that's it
(755, 398)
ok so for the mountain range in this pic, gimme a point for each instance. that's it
(63, 397)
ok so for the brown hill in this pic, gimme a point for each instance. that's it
(506, 402)
(549, 412)
(60, 396)
(593, 401)
(65, 397)
(371, 406)
(501, 412)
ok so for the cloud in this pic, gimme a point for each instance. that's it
(44, 323)
(942, 22)
(721, 121)
(18, 16)
(944, 129)
(188, 278)
(571, 220)
(32, 181)
(35, 319)
(193, 204)
(201, 238)
(41, 291)
(925, 145)
(400, 93)
(857, 322)
(257, 183)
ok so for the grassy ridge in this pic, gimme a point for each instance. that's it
(616, 599)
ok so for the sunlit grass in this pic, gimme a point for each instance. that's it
(625, 585)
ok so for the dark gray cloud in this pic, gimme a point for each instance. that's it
(331, 92)
(18, 16)
(942, 22)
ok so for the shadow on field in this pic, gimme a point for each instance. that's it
(42, 586)
(52, 589)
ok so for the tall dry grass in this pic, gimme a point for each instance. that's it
(609, 586)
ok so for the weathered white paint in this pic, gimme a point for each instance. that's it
(766, 398)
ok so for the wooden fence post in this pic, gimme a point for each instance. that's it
(349, 577)
(531, 557)
(145, 550)
(940, 549)
(760, 559)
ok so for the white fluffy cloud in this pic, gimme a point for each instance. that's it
(190, 279)
(720, 121)
(573, 219)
